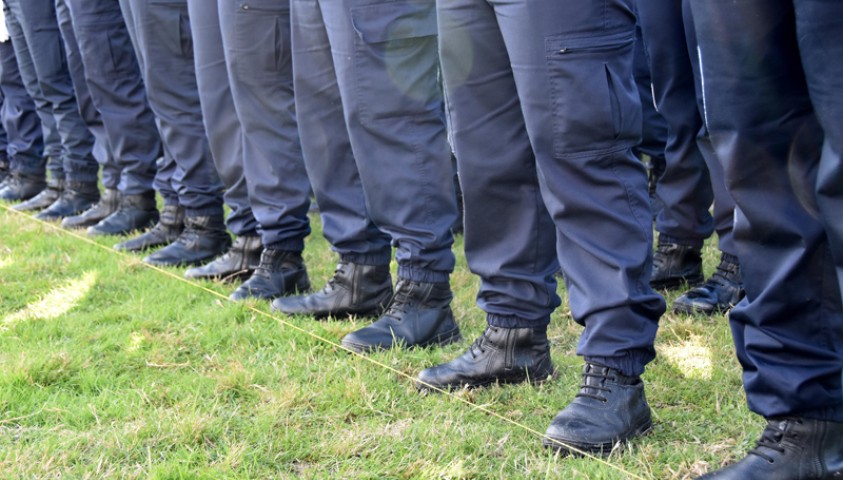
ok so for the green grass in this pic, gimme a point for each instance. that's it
(109, 369)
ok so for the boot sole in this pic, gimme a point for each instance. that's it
(691, 310)
(335, 314)
(142, 248)
(441, 340)
(535, 381)
(676, 282)
(593, 449)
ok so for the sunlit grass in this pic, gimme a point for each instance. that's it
(138, 375)
(55, 303)
(692, 358)
(5, 257)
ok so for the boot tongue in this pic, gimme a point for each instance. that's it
(771, 438)
(594, 380)
(776, 429)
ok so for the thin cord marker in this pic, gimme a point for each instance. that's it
(330, 342)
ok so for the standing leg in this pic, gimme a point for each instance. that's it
(25, 148)
(116, 89)
(259, 59)
(765, 69)
(361, 284)
(225, 139)
(40, 23)
(162, 33)
(541, 102)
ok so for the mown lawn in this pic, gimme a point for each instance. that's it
(111, 369)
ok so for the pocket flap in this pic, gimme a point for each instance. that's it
(385, 22)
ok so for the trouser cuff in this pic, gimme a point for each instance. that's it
(370, 259)
(512, 321)
(423, 275)
(631, 365)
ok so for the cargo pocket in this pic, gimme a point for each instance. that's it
(594, 106)
(171, 24)
(116, 53)
(396, 58)
(262, 46)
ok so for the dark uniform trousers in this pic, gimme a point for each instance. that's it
(112, 78)
(256, 36)
(25, 147)
(244, 71)
(693, 177)
(90, 116)
(225, 135)
(34, 28)
(654, 131)
(544, 112)
(160, 32)
(773, 77)
(43, 108)
(372, 130)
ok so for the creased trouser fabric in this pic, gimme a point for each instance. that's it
(772, 79)
(373, 133)
(544, 113)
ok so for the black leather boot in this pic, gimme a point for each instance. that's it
(74, 199)
(499, 355)
(791, 449)
(166, 231)
(239, 261)
(675, 265)
(19, 187)
(203, 238)
(132, 212)
(610, 408)
(718, 294)
(280, 273)
(4, 171)
(419, 315)
(105, 207)
(353, 290)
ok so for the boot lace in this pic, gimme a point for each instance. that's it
(591, 390)
(722, 274)
(661, 255)
(12, 181)
(189, 236)
(330, 286)
(400, 301)
(771, 439)
(476, 348)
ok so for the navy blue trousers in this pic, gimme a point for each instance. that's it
(113, 82)
(101, 151)
(25, 141)
(654, 131)
(256, 38)
(772, 76)
(225, 136)
(372, 130)
(693, 177)
(44, 110)
(36, 24)
(160, 32)
(545, 111)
